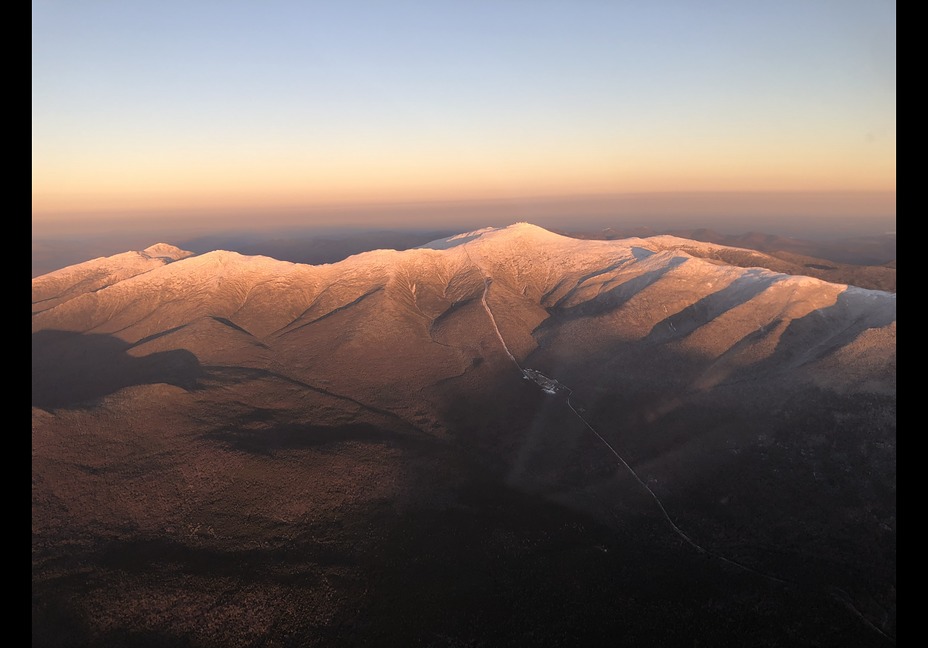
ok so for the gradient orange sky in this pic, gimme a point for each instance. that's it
(238, 106)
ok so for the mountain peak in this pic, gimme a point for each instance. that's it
(521, 230)
(166, 251)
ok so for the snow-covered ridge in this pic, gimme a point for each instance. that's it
(528, 257)
(56, 287)
(457, 239)
(491, 245)
(543, 288)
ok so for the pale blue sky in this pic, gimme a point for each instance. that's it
(196, 104)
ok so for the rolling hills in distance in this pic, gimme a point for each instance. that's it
(500, 437)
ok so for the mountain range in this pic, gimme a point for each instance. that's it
(501, 437)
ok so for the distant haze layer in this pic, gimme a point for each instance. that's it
(805, 214)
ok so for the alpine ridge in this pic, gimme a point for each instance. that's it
(412, 419)
(554, 297)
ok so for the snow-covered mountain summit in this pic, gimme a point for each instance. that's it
(546, 291)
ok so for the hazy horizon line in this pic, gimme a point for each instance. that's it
(730, 209)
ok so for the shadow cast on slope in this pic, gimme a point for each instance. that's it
(70, 368)
(702, 312)
(610, 299)
(814, 337)
(583, 279)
